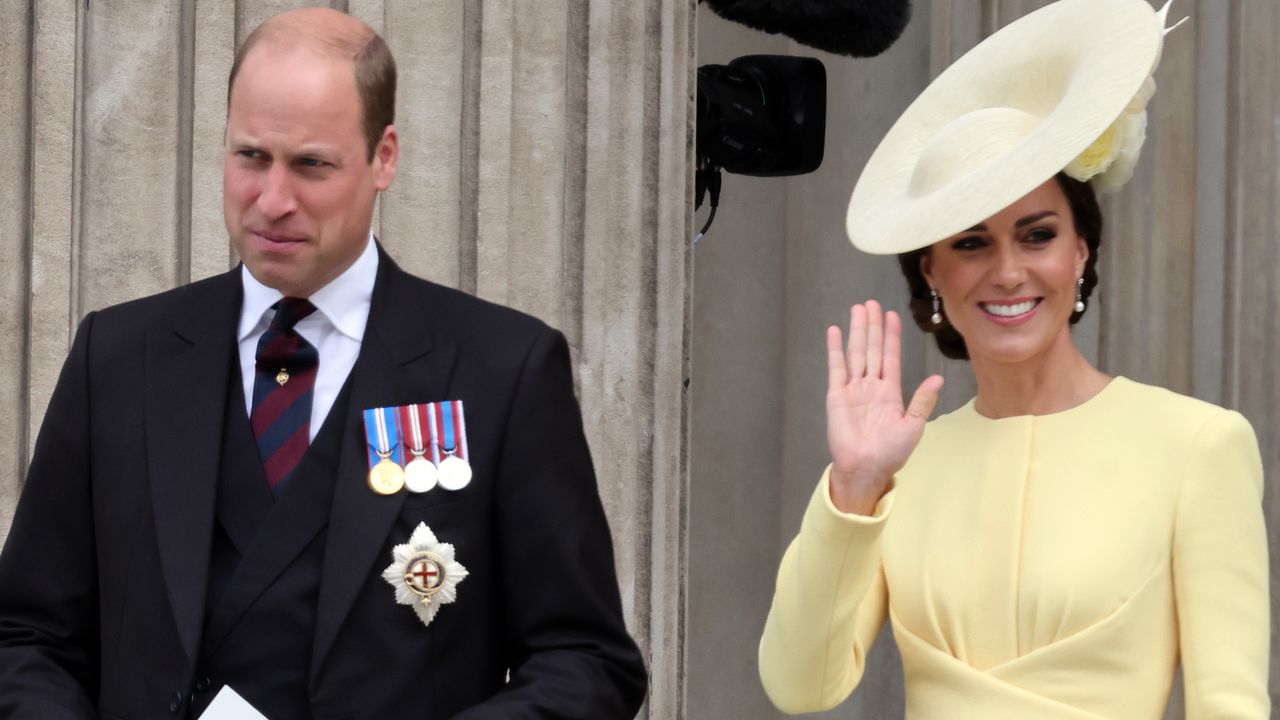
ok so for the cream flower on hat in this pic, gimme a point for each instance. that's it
(1109, 162)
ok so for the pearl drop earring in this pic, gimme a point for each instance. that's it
(936, 318)
(1079, 296)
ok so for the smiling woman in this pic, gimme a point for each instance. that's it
(1008, 284)
(1055, 547)
(1083, 218)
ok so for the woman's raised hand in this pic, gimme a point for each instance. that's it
(869, 432)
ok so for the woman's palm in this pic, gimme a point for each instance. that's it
(869, 431)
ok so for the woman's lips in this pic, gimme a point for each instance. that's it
(1010, 312)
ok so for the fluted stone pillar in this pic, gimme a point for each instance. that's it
(16, 186)
(545, 165)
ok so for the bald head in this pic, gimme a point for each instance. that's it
(323, 30)
(333, 35)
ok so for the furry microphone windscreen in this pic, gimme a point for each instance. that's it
(859, 28)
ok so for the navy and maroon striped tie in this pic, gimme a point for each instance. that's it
(283, 384)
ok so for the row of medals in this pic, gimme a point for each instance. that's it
(419, 475)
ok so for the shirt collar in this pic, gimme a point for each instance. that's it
(344, 302)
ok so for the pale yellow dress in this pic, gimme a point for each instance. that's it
(1051, 567)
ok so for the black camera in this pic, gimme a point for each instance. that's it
(762, 115)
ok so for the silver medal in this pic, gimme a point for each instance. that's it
(454, 472)
(420, 475)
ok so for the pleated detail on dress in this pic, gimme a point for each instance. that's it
(1012, 530)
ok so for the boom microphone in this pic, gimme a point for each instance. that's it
(859, 28)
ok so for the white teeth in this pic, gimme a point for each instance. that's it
(1009, 310)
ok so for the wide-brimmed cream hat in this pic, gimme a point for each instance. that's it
(1064, 87)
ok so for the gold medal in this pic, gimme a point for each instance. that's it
(419, 474)
(386, 478)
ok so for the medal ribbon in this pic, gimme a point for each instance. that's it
(442, 414)
(382, 431)
(446, 422)
(461, 423)
(448, 429)
(434, 427)
(412, 419)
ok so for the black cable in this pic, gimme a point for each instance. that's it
(710, 219)
(711, 175)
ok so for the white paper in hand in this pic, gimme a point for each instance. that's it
(228, 705)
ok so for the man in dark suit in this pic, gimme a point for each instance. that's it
(199, 513)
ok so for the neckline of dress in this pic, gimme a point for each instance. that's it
(971, 407)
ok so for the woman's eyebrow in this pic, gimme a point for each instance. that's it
(1033, 218)
(982, 227)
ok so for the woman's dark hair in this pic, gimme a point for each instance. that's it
(1087, 216)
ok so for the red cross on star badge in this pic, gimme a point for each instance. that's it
(424, 573)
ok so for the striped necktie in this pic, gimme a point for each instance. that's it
(284, 381)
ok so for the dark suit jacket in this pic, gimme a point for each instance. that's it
(104, 577)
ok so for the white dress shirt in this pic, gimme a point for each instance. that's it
(335, 329)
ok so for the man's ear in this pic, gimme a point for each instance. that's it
(385, 157)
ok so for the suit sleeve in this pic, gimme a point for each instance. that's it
(568, 649)
(828, 606)
(1220, 575)
(48, 569)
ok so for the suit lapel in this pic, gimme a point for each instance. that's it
(289, 526)
(400, 362)
(244, 497)
(187, 369)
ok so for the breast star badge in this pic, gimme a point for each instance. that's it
(424, 573)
